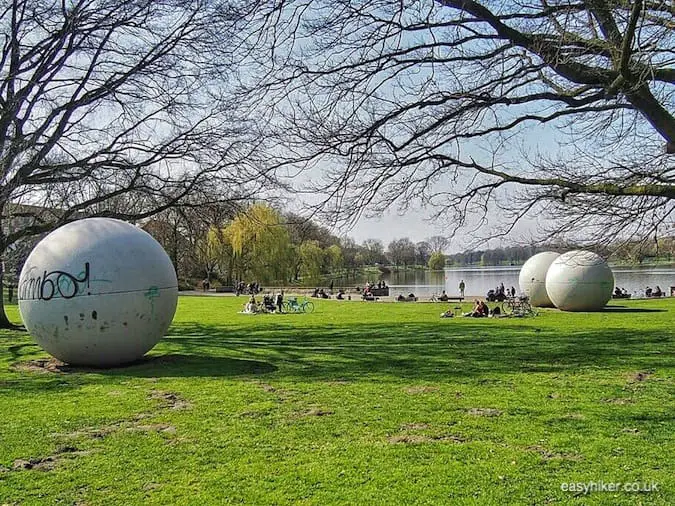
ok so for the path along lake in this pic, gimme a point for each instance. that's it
(479, 280)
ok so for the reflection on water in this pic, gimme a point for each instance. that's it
(479, 280)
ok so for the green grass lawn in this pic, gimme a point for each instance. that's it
(357, 403)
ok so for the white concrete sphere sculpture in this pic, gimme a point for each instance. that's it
(532, 278)
(579, 281)
(98, 292)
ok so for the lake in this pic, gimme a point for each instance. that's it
(479, 280)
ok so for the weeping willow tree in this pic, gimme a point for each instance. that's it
(214, 252)
(312, 260)
(255, 246)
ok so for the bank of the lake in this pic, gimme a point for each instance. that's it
(480, 279)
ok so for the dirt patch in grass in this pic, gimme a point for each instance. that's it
(133, 425)
(421, 389)
(489, 412)
(547, 454)
(268, 388)
(414, 426)
(41, 365)
(409, 434)
(282, 395)
(317, 412)
(46, 463)
(619, 401)
(90, 432)
(411, 439)
(35, 464)
(170, 400)
(152, 427)
(639, 376)
(53, 365)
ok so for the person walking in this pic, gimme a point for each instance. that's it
(462, 286)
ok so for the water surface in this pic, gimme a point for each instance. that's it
(479, 280)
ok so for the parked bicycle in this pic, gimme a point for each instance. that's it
(295, 306)
(518, 306)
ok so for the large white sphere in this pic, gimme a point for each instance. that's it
(532, 278)
(98, 292)
(579, 281)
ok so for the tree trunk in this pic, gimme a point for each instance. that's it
(4, 321)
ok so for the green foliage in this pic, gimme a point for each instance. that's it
(437, 261)
(334, 259)
(311, 260)
(261, 244)
(356, 403)
(216, 249)
(258, 245)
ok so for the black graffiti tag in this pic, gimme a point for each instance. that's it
(55, 284)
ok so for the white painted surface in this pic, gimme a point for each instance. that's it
(532, 278)
(98, 292)
(579, 281)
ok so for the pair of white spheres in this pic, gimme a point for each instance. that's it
(574, 281)
(98, 292)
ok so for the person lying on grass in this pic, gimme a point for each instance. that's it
(448, 314)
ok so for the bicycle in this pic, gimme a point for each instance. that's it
(518, 306)
(295, 306)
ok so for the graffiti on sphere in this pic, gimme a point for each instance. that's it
(54, 284)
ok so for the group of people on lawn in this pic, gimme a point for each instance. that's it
(320, 293)
(657, 292)
(480, 310)
(269, 304)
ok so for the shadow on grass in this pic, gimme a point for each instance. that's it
(424, 350)
(624, 309)
(48, 375)
(154, 365)
(177, 365)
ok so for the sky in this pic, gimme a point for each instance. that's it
(416, 227)
(392, 226)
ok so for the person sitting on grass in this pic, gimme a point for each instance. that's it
(368, 295)
(268, 304)
(480, 310)
(251, 307)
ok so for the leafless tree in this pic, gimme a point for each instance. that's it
(480, 111)
(438, 243)
(116, 108)
(402, 252)
(183, 232)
